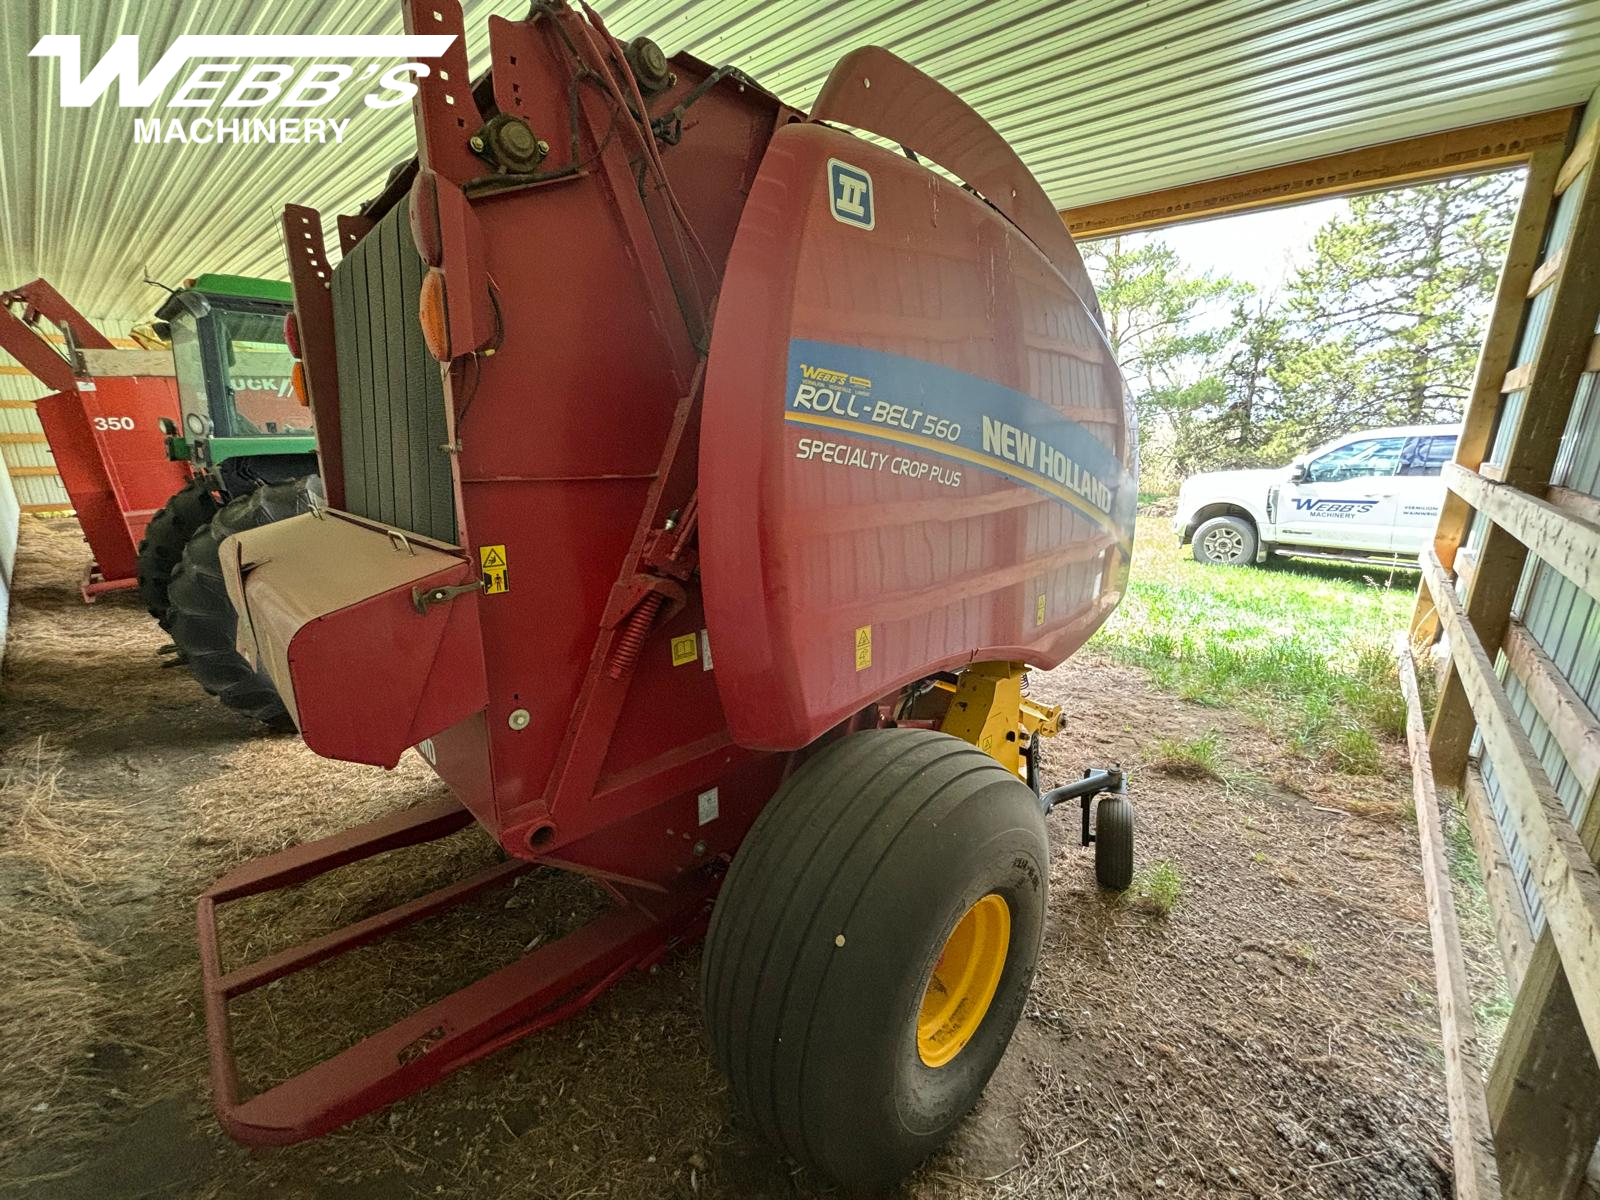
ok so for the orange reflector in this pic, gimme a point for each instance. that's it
(297, 378)
(435, 326)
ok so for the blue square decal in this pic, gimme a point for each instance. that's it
(850, 194)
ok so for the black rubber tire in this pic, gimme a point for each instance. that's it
(1239, 535)
(201, 619)
(1113, 843)
(190, 507)
(830, 922)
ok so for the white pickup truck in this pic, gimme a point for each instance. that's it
(1366, 496)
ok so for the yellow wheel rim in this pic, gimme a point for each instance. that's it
(963, 981)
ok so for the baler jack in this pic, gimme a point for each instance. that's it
(1112, 831)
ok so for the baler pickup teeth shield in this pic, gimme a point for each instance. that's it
(543, 987)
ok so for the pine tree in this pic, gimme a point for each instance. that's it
(1389, 313)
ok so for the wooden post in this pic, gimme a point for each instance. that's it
(1494, 361)
(1559, 361)
(1562, 867)
(1471, 1144)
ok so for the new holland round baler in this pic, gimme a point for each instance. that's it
(702, 476)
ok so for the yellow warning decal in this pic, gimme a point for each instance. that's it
(1038, 611)
(685, 649)
(492, 561)
(863, 647)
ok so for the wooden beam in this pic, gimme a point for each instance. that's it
(1543, 1085)
(1569, 544)
(1513, 932)
(1548, 270)
(1574, 727)
(1517, 378)
(1471, 1143)
(1580, 505)
(22, 439)
(1493, 146)
(1582, 155)
(45, 508)
(1494, 360)
(107, 363)
(1568, 332)
(1568, 883)
(16, 472)
(19, 403)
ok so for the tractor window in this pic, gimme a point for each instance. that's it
(1358, 460)
(189, 363)
(258, 366)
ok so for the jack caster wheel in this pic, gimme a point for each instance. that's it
(1113, 843)
(872, 948)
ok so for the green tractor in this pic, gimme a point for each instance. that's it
(251, 447)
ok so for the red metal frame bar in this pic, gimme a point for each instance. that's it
(541, 988)
(311, 275)
(95, 584)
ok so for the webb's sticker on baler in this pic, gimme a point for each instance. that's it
(951, 416)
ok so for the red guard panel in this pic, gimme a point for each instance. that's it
(917, 449)
(109, 449)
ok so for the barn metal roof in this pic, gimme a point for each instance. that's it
(1103, 98)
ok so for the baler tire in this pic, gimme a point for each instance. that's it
(1113, 843)
(161, 549)
(201, 619)
(835, 913)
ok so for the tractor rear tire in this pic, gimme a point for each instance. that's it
(191, 507)
(872, 949)
(201, 619)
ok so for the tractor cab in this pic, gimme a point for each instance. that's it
(241, 415)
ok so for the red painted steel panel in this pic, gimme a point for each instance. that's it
(111, 455)
(917, 450)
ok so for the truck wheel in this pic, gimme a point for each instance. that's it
(1227, 540)
(169, 531)
(872, 948)
(1113, 843)
(201, 619)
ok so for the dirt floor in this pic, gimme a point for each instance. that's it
(1272, 1036)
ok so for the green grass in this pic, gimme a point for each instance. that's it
(1194, 758)
(1157, 888)
(1303, 646)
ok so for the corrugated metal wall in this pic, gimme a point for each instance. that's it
(1102, 98)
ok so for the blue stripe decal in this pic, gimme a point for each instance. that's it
(911, 402)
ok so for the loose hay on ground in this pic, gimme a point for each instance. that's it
(1272, 1036)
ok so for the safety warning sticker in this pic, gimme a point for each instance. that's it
(863, 647)
(492, 561)
(685, 649)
